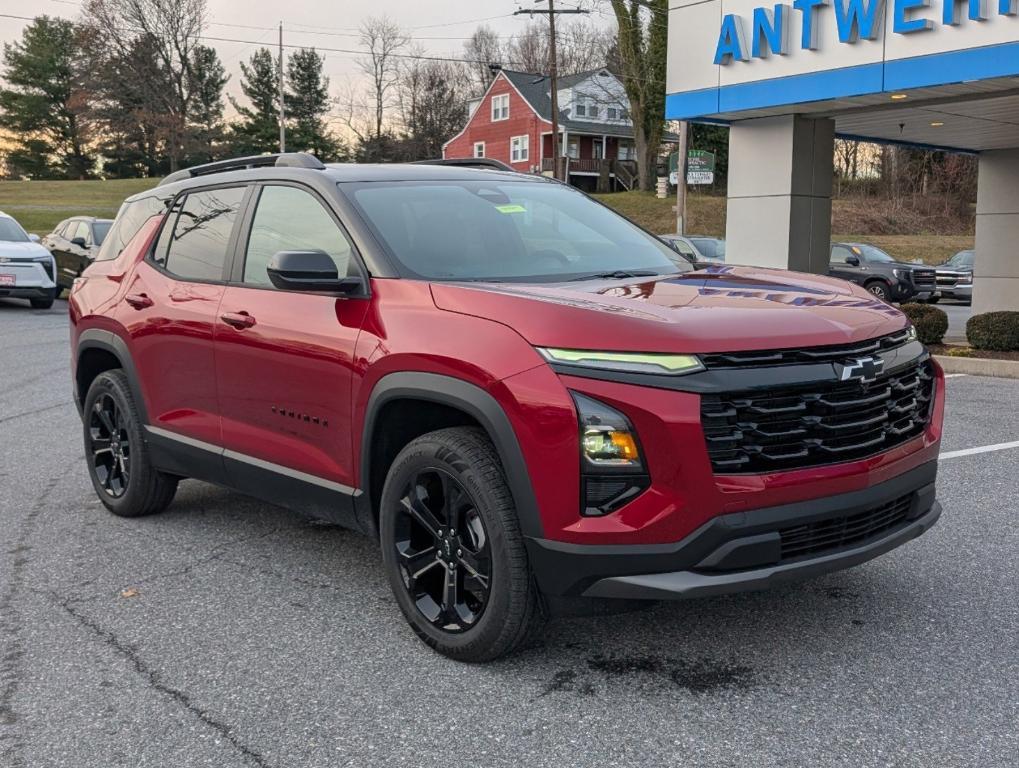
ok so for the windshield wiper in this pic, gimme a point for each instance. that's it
(618, 274)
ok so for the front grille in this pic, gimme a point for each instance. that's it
(809, 425)
(947, 281)
(811, 539)
(808, 355)
(924, 278)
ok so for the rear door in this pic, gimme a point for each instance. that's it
(285, 359)
(170, 311)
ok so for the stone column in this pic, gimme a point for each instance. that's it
(780, 182)
(996, 268)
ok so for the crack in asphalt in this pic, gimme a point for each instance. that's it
(34, 411)
(153, 680)
(10, 631)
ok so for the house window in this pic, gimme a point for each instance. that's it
(612, 113)
(626, 151)
(479, 149)
(500, 107)
(573, 148)
(593, 110)
(580, 109)
(519, 146)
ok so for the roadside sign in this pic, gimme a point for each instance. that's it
(700, 167)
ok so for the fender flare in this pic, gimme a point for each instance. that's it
(476, 402)
(95, 338)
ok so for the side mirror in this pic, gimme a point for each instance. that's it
(853, 261)
(78, 241)
(309, 271)
(34, 238)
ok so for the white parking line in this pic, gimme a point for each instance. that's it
(981, 449)
(955, 375)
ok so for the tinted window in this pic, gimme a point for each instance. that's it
(130, 218)
(99, 231)
(201, 232)
(870, 253)
(840, 253)
(962, 259)
(11, 231)
(504, 230)
(710, 247)
(290, 219)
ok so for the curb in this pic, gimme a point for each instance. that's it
(979, 366)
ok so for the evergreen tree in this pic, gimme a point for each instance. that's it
(43, 104)
(307, 103)
(208, 77)
(258, 129)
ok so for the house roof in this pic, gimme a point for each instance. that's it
(536, 90)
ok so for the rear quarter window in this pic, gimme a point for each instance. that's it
(130, 218)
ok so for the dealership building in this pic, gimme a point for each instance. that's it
(789, 78)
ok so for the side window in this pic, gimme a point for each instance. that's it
(129, 220)
(682, 247)
(201, 232)
(59, 230)
(290, 219)
(80, 230)
(839, 254)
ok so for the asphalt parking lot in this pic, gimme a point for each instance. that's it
(226, 632)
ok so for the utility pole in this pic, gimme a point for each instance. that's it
(553, 77)
(684, 141)
(283, 114)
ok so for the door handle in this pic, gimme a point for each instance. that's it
(239, 320)
(138, 300)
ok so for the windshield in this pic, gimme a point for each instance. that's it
(870, 253)
(11, 231)
(961, 259)
(99, 230)
(498, 230)
(710, 247)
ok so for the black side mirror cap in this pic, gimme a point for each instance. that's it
(78, 241)
(853, 261)
(310, 271)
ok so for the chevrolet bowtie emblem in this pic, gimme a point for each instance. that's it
(860, 369)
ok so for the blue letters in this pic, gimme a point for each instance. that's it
(809, 33)
(771, 27)
(950, 13)
(856, 20)
(903, 25)
(732, 44)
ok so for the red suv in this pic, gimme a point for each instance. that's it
(516, 390)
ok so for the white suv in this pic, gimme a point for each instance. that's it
(26, 268)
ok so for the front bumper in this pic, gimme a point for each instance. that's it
(958, 292)
(748, 550)
(32, 279)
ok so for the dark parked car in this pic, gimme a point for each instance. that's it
(881, 274)
(513, 388)
(955, 278)
(697, 249)
(74, 244)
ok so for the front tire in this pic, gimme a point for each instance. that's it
(452, 547)
(879, 289)
(118, 459)
(47, 302)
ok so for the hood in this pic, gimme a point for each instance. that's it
(28, 250)
(717, 309)
(950, 270)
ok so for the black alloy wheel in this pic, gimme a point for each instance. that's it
(879, 290)
(110, 446)
(443, 551)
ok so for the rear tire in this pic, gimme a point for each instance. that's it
(452, 548)
(115, 451)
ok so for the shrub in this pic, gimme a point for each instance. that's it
(994, 330)
(931, 323)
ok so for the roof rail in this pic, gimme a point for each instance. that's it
(283, 160)
(468, 162)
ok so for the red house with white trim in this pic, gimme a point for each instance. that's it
(511, 122)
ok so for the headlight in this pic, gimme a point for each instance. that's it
(611, 466)
(627, 362)
(42, 257)
(911, 333)
(900, 273)
(965, 279)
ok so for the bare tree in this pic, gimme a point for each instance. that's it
(173, 29)
(483, 48)
(382, 38)
(433, 105)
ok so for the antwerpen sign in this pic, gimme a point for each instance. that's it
(771, 28)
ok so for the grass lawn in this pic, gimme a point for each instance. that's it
(39, 205)
(706, 216)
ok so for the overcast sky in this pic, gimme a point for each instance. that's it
(440, 26)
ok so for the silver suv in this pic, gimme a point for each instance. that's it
(26, 268)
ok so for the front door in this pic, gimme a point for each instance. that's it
(842, 264)
(284, 362)
(170, 311)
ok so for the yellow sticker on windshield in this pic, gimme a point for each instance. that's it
(511, 208)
